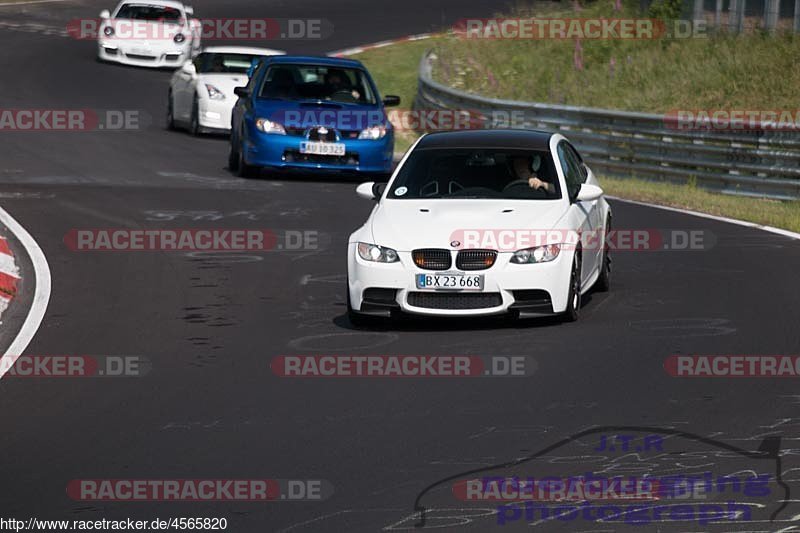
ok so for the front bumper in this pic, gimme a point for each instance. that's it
(531, 290)
(283, 152)
(215, 115)
(139, 55)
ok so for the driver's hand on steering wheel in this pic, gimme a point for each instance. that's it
(536, 183)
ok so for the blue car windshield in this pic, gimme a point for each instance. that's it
(317, 82)
(477, 173)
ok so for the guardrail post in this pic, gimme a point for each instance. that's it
(771, 11)
(797, 16)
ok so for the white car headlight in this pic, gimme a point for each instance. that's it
(267, 126)
(377, 254)
(214, 93)
(179, 38)
(540, 254)
(108, 31)
(374, 133)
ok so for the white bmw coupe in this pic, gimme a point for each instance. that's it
(201, 93)
(481, 222)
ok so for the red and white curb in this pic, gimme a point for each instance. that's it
(381, 44)
(42, 284)
(9, 275)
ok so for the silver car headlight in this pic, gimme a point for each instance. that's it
(540, 254)
(377, 254)
(268, 126)
(374, 133)
(214, 93)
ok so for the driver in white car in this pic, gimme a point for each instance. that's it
(527, 168)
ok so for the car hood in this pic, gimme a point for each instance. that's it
(308, 113)
(409, 224)
(224, 82)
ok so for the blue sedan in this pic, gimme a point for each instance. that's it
(311, 113)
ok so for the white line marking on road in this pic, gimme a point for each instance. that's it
(26, 2)
(779, 231)
(41, 295)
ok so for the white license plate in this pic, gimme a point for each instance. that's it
(450, 281)
(141, 52)
(320, 148)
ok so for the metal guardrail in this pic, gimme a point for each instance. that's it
(762, 163)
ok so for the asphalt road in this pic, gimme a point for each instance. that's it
(209, 325)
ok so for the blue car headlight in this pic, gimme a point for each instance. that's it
(268, 126)
(540, 254)
(373, 133)
(377, 254)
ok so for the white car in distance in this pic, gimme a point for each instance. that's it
(201, 96)
(481, 222)
(148, 33)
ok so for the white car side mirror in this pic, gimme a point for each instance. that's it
(105, 14)
(189, 10)
(189, 68)
(365, 190)
(588, 193)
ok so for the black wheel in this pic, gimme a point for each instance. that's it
(604, 281)
(574, 303)
(243, 170)
(170, 113)
(194, 124)
(233, 157)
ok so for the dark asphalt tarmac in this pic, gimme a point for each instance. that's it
(211, 408)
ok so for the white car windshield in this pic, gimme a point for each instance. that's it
(167, 15)
(223, 63)
(477, 173)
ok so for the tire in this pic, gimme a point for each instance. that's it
(574, 302)
(194, 122)
(604, 281)
(243, 170)
(233, 157)
(236, 163)
(170, 113)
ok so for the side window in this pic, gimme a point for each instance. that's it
(581, 167)
(251, 83)
(571, 169)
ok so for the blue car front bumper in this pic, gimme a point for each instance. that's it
(277, 151)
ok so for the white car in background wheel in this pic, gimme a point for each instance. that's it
(148, 33)
(481, 222)
(201, 96)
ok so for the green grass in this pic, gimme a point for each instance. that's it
(394, 69)
(761, 211)
(751, 71)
